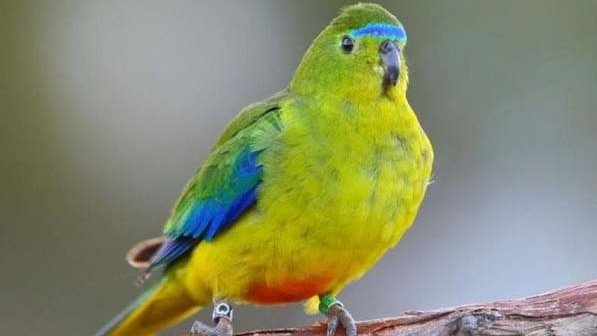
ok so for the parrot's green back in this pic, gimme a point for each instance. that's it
(304, 192)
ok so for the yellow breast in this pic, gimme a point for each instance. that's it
(344, 189)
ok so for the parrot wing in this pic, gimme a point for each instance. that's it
(226, 184)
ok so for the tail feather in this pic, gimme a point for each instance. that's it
(161, 306)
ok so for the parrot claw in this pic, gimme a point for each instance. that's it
(337, 314)
(222, 328)
(222, 316)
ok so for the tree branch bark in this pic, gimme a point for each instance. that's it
(570, 311)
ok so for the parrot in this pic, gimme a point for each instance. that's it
(301, 194)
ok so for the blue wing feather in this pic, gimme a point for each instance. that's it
(226, 186)
(208, 217)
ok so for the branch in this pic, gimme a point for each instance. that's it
(570, 311)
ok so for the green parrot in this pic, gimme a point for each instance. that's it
(301, 194)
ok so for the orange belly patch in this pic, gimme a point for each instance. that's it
(286, 291)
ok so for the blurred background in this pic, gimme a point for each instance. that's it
(108, 107)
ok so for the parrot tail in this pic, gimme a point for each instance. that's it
(159, 307)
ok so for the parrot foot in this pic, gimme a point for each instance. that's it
(222, 317)
(337, 315)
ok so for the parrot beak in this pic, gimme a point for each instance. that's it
(390, 59)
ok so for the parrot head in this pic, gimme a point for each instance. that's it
(358, 56)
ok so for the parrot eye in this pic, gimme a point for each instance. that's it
(347, 44)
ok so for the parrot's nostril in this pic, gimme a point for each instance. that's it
(387, 46)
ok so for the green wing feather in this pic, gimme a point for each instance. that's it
(226, 184)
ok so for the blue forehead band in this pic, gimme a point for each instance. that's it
(380, 30)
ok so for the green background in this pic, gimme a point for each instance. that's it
(107, 107)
